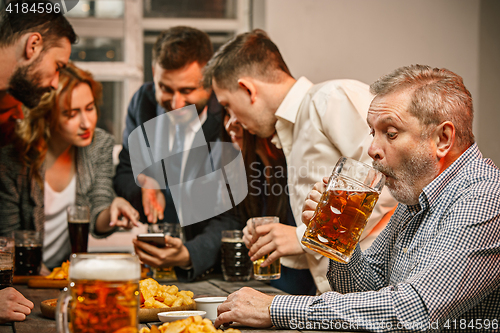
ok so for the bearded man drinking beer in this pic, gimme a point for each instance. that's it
(436, 265)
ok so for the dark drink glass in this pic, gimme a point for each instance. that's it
(28, 252)
(236, 264)
(78, 235)
(78, 227)
(6, 269)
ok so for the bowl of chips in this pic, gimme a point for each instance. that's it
(209, 305)
(156, 298)
(194, 324)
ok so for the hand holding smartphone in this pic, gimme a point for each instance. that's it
(156, 239)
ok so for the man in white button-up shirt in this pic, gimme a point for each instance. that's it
(314, 125)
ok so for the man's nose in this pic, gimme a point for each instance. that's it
(374, 151)
(178, 101)
(55, 81)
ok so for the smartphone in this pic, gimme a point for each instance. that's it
(157, 239)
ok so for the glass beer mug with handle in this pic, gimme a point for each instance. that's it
(102, 296)
(344, 208)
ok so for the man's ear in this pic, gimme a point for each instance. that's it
(249, 88)
(34, 45)
(444, 136)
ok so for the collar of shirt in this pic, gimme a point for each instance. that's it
(435, 188)
(431, 193)
(287, 114)
(191, 128)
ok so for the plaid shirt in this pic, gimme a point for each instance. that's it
(436, 266)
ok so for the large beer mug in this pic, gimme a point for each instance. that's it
(103, 294)
(344, 208)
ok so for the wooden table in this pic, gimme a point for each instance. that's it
(35, 322)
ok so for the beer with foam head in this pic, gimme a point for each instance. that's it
(104, 293)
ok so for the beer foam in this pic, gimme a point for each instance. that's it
(78, 221)
(105, 269)
(231, 240)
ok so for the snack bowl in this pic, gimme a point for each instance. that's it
(176, 315)
(209, 304)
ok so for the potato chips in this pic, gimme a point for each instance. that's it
(193, 324)
(154, 295)
(60, 273)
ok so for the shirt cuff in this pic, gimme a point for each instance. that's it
(286, 311)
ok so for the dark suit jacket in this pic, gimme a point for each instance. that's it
(203, 238)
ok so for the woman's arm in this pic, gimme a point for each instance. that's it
(120, 213)
(96, 165)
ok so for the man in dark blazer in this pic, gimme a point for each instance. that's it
(179, 55)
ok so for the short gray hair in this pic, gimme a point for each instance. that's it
(437, 95)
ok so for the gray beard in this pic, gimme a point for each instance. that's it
(416, 172)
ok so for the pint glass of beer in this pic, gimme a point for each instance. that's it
(236, 264)
(273, 271)
(28, 252)
(103, 294)
(78, 227)
(343, 210)
(6, 269)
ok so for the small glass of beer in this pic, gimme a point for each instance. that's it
(236, 264)
(78, 227)
(344, 208)
(103, 294)
(28, 252)
(273, 271)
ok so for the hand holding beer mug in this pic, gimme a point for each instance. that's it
(345, 206)
(78, 226)
(273, 271)
(103, 294)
